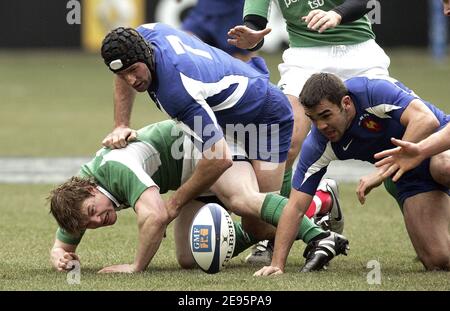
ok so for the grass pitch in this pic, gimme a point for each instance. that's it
(376, 232)
(60, 104)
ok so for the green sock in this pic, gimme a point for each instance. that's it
(271, 212)
(243, 239)
(287, 183)
(392, 189)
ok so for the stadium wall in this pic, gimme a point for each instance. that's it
(44, 24)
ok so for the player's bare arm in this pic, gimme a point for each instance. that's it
(409, 155)
(152, 218)
(62, 255)
(123, 104)
(419, 122)
(369, 182)
(215, 161)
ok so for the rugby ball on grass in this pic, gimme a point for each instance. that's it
(212, 237)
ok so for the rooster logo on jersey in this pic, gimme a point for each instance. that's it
(370, 123)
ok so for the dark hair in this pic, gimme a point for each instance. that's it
(65, 203)
(322, 86)
(123, 47)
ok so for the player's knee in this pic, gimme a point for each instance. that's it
(242, 201)
(445, 172)
(240, 205)
(440, 169)
(437, 260)
(186, 261)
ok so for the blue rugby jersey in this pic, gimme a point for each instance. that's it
(216, 7)
(379, 104)
(196, 81)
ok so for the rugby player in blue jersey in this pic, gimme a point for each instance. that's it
(356, 120)
(210, 21)
(212, 96)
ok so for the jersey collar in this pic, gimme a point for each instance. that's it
(111, 197)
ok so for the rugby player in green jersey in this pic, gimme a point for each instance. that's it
(161, 159)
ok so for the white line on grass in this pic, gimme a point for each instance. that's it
(31, 170)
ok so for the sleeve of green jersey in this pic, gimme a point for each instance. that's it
(126, 180)
(257, 7)
(67, 238)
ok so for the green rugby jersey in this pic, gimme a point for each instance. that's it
(300, 36)
(124, 174)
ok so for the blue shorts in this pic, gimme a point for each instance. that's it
(274, 125)
(418, 180)
(213, 28)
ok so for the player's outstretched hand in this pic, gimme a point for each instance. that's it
(119, 137)
(400, 159)
(66, 262)
(367, 183)
(246, 38)
(125, 268)
(268, 270)
(322, 20)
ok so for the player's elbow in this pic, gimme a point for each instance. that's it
(160, 217)
(156, 213)
(225, 164)
(432, 121)
(220, 164)
(424, 117)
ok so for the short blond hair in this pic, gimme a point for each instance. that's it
(66, 201)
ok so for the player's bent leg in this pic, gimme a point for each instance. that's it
(427, 219)
(269, 175)
(269, 178)
(440, 168)
(242, 197)
(181, 234)
(246, 200)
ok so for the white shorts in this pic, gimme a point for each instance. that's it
(345, 61)
(192, 156)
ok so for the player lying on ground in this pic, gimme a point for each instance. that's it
(355, 120)
(162, 159)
